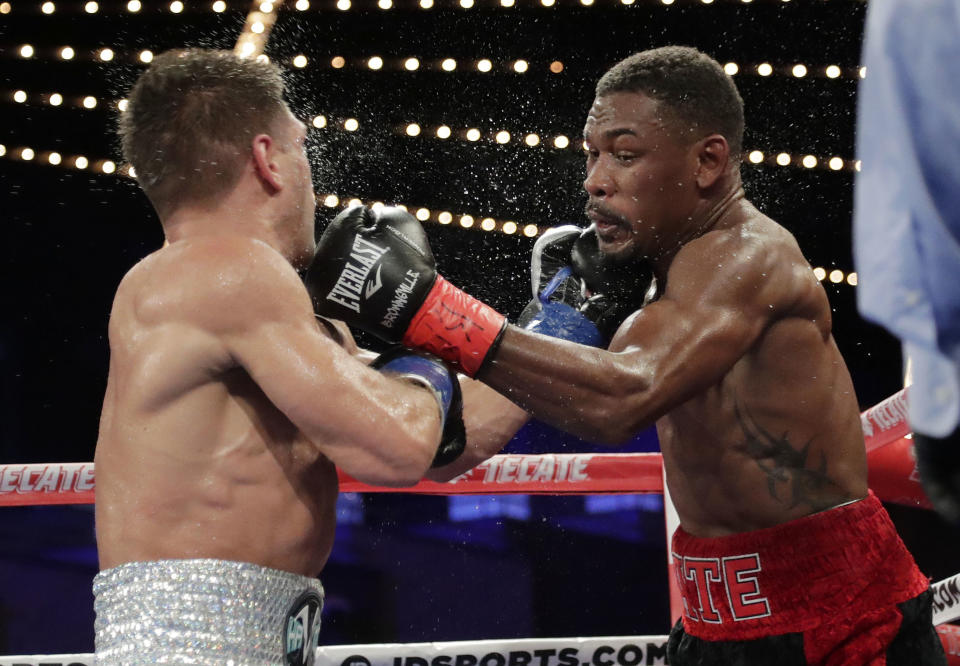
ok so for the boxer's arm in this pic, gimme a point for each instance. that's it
(340, 332)
(673, 349)
(491, 421)
(379, 430)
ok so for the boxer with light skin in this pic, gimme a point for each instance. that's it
(228, 405)
(782, 554)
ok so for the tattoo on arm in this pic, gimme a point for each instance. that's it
(799, 472)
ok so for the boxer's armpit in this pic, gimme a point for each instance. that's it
(796, 474)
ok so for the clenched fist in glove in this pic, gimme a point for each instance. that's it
(374, 269)
(578, 294)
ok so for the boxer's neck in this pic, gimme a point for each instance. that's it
(242, 212)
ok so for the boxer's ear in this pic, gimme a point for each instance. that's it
(264, 148)
(713, 155)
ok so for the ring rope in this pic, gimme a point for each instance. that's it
(886, 431)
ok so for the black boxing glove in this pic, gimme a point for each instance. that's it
(579, 294)
(938, 463)
(557, 292)
(432, 374)
(614, 289)
(375, 270)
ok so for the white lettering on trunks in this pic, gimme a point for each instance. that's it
(699, 579)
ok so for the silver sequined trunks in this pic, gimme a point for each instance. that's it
(205, 612)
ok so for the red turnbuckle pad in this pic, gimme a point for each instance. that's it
(455, 326)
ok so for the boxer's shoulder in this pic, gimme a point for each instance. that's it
(216, 283)
(753, 273)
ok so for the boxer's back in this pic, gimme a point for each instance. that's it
(193, 460)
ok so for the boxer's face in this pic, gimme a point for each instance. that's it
(640, 177)
(292, 136)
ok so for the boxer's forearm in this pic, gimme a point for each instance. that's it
(491, 421)
(593, 393)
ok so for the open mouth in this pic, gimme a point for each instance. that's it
(609, 228)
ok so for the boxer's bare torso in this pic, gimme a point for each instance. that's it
(775, 434)
(736, 365)
(194, 460)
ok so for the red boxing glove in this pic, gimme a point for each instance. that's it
(455, 326)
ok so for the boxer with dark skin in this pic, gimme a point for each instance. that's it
(782, 556)
(735, 362)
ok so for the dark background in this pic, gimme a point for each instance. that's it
(402, 569)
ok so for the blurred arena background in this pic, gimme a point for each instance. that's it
(470, 113)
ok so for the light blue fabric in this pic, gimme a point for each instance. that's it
(907, 196)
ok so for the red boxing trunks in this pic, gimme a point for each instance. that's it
(836, 587)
